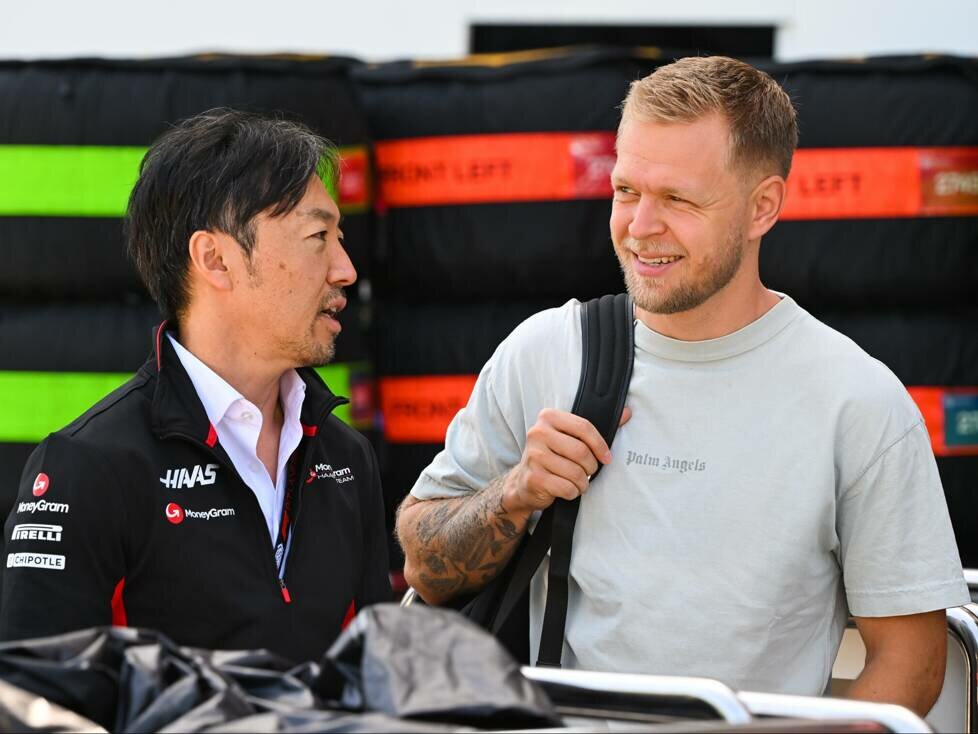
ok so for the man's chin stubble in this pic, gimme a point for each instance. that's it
(322, 356)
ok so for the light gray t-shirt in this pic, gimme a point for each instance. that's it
(768, 482)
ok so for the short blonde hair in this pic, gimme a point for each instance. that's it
(763, 125)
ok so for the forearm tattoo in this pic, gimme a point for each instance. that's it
(461, 544)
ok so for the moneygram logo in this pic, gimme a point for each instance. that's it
(211, 514)
(30, 531)
(43, 506)
(41, 484)
(176, 514)
(326, 471)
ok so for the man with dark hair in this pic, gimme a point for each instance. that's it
(769, 476)
(214, 496)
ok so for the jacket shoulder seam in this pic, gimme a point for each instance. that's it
(137, 382)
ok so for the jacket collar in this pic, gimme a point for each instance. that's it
(177, 409)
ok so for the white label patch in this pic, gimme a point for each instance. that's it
(43, 506)
(30, 531)
(36, 560)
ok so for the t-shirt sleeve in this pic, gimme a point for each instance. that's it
(64, 543)
(535, 367)
(481, 443)
(896, 544)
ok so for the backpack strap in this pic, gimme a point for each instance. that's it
(608, 348)
(607, 333)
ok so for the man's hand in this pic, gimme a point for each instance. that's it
(454, 546)
(562, 451)
(905, 660)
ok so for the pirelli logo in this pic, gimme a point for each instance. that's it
(36, 531)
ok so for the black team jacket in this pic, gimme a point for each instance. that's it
(134, 514)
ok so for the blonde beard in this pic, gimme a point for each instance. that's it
(687, 294)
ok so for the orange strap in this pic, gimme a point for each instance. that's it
(951, 415)
(825, 183)
(865, 183)
(419, 409)
(481, 169)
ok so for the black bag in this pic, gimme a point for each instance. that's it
(502, 607)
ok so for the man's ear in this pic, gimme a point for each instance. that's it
(767, 200)
(208, 254)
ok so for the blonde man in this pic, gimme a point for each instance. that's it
(770, 477)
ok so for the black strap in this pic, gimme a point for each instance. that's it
(494, 609)
(608, 332)
(531, 556)
(292, 480)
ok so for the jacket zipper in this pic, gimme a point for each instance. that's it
(271, 558)
(330, 407)
(328, 410)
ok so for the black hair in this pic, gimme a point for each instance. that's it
(215, 171)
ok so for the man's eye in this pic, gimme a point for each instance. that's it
(679, 199)
(321, 235)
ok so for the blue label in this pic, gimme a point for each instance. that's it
(960, 420)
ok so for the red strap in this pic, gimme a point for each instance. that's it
(118, 605)
(159, 338)
(211, 435)
(351, 612)
(284, 530)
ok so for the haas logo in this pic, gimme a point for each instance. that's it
(41, 484)
(174, 513)
(185, 478)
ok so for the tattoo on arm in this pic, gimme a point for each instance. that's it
(462, 544)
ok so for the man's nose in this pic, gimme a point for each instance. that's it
(648, 220)
(341, 271)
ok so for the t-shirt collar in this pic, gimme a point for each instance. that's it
(769, 325)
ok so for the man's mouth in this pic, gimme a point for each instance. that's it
(333, 308)
(654, 266)
(661, 260)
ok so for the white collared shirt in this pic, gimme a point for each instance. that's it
(238, 422)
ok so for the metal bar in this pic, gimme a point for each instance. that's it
(713, 693)
(895, 718)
